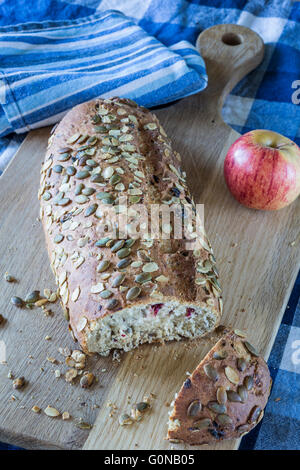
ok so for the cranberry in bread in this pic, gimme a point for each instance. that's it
(225, 396)
(116, 291)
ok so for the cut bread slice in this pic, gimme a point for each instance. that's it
(225, 396)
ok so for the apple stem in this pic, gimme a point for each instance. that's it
(285, 145)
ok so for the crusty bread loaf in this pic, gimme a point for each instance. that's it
(225, 396)
(119, 293)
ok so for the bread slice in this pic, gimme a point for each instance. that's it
(122, 291)
(225, 396)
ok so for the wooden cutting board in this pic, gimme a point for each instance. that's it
(258, 258)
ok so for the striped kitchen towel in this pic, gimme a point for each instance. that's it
(47, 68)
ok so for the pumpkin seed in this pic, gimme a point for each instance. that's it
(233, 396)
(118, 245)
(103, 195)
(81, 199)
(216, 407)
(194, 408)
(254, 414)
(248, 382)
(81, 175)
(88, 191)
(73, 138)
(92, 163)
(232, 375)
(32, 297)
(242, 391)
(150, 267)
(201, 424)
(71, 170)
(103, 266)
(46, 196)
(79, 189)
(96, 178)
(64, 201)
(58, 238)
(123, 253)
(150, 126)
(64, 157)
(57, 168)
(118, 280)
(251, 349)
(134, 199)
(221, 395)
(92, 140)
(130, 242)
(241, 364)
(133, 293)
(100, 128)
(244, 428)
(17, 301)
(64, 150)
(123, 263)
(115, 179)
(211, 372)
(102, 241)
(90, 210)
(82, 139)
(223, 420)
(219, 355)
(112, 304)
(108, 172)
(105, 294)
(143, 277)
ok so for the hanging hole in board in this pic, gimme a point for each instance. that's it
(231, 39)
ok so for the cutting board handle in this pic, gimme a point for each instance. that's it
(230, 52)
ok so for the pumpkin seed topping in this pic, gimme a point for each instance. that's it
(112, 304)
(251, 349)
(64, 157)
(73, 138)
(133, 293)
(118, 245)
(117, 281)
(221, 395)
(248, 382)
(81, 199)
(201, 424)
(143, 277)
(123, 253)
(81, 175)
(58, 238)
(90, 210)
(102, 241)
(211, 372)
(241, 364)
(105, 294)
(57, 168)
(233, 396)
(88, 191)
(254, 414)
(194, 408)
(242, 391)
(123, 263)
(223, 419)
(103, 265)
(216, 407)
(232, 375)
(150, 267)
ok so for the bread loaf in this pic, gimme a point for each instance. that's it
(225, 396)
(120, 292)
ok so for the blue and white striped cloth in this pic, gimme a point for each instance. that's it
(73, 50)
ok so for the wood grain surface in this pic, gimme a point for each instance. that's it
(258, 258)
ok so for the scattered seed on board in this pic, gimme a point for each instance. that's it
(19, 383)
(17, 301)
(32, 297)
(9, 278)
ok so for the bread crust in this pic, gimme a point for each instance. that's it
(145, 166)
(243, 401)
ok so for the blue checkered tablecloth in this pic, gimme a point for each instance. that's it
(73, 50)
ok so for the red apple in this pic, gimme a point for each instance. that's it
(262, 170)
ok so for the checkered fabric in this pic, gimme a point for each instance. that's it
(40, 64)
